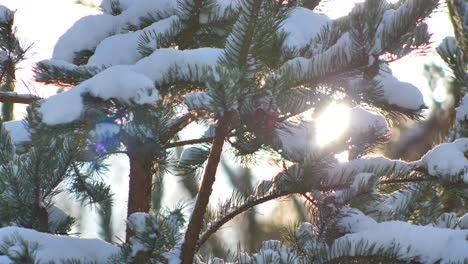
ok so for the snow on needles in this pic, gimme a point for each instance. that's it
(401, 94)
(54, 247)
(462, 110)
(426, 244)
(302, 25)
(5, 14)
(18, 131)
(126, 45)
(363, 121)
(118, 82)
(129, 83)
(79, 37)
(448, 161)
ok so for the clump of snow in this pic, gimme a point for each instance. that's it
(462, 110)
(355, 221)
(160, 63)
(340, 52)
(198, 100)
(105, 130)
(302, 25)
(379, 166)
(273, 251)
(362, 121)
(425, 243)
(123, 84)
(463, 221)
(139, 8)
(361, 179)
(126, 45)
(18, 130)
(137, 222)
(59, 248)
(401, 94)
(448, 46)
(79, 37)
(191, 155)
(60, 64)
(447, 161)
(85, 34)
(296, 141)
(118, 82)
(5, 14)
(387, 21)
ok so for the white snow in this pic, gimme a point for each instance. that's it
(118, 82)
(85, 34)
(379, 166)
(198, 101)
(314, 67)
(105, 130)
(429, 244)
(18, 131)
(402, 94)
(303, 25)
(273, 251)
(123, 84)
(387, 21)
(57, 248)
(190, 155)
(126, 45)
(5, 14)
(160, 63)
(296, 141)
(462, 110)
(463, 221)
(362, 121)
(140, 8)
(361, 179)
(447, 161)
(60, 64)
(89, 31)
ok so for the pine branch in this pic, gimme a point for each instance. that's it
(13, 97)
(196, 220)
(239, 210)
(457, 15)
(239, 41)
(192, 23)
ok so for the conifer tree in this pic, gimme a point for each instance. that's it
(258, 73)
(12, 52)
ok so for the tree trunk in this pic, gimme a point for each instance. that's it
(206, 187)
(140, 182)
(9, 86)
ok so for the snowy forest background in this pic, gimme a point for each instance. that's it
(408, 140)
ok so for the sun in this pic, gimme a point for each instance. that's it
(332, 123)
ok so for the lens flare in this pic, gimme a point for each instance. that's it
(332, 123)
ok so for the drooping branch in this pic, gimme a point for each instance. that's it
(188, 142)
(13, 97)
(196, 221)
(239, 210)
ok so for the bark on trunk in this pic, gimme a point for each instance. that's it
(9, 86)
(206, 187)
(141, 179)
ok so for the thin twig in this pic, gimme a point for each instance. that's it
(310, 199)
(12, 97)
(406, 180)
(188, 142)
(248, 205)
